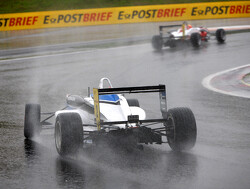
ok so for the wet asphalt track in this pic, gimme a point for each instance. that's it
(221, 158)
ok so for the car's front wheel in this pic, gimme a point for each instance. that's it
(220, 35)
(181, 129)
(68, 133)
(133, 102)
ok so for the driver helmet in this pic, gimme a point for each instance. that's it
(189, 26)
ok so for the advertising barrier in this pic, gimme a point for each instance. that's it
(121, 15)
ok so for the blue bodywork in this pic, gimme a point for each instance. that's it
(108, 98)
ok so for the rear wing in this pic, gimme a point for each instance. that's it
(171, 26)
(161, 89)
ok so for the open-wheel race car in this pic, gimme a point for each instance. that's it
(107, 116)
(185, 34)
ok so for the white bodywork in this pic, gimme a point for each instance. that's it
(118, 111)
(187, 32)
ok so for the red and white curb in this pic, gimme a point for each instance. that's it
(206, 82)
(244, 78)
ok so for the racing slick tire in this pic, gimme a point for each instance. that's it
(181, 129)
(195, 40)
(68, 133)
(32, 125)
(133, 102)
(172, 42)
(220, 35)
(157, 42)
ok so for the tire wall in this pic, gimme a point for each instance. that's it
(122, 15)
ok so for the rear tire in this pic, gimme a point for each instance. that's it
(181, 129)
(172, 42)
(195, 40)
(32, 125)
(68, 133)
(220, 35)
(133, 102)
(157, 42)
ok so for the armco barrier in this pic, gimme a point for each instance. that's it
(120, 15)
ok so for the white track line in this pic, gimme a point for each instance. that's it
(206, 82)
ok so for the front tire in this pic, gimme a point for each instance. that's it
(195, 40)
(220, 35)
(32, 125)
(181, 129)
(68, 133)
(157, 42)
(133, 102)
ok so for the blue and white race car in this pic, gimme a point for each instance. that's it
(107, 116)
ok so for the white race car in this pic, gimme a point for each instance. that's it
(186, 34)
(107, 116)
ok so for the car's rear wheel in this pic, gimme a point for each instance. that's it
(157, 42)
(68, 133)
(133, 102)
(32, 125)
(181, 129)
(172, 42)
(220, 35)
(195, 39)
